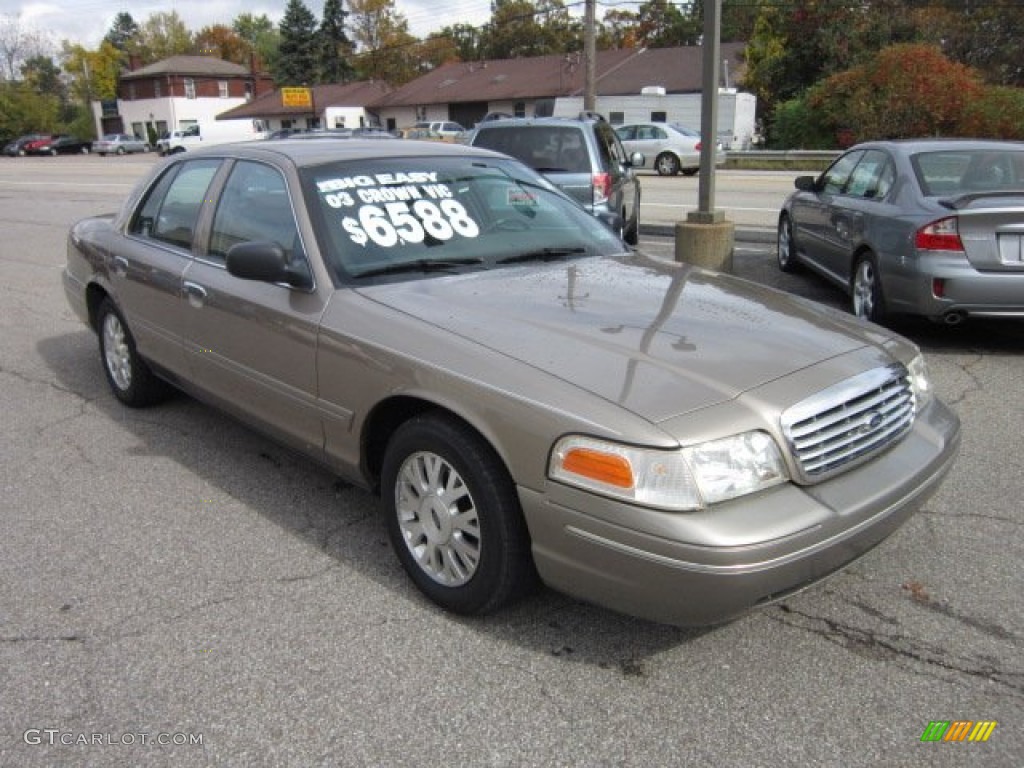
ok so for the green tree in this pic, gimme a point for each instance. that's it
(163, 35)
(660, 24)
(93, 73)
(521, 28)
(42, 75)
(385, 49)
(23, 110)
(123, 32)
(297, 60)
(465, 38)
(261, 36)
(335, 48)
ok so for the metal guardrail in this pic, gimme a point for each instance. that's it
(787, 158)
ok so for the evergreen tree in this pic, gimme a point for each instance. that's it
(297, 60)
(122, 32)
(335, 47)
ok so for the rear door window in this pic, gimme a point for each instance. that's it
(173, 206)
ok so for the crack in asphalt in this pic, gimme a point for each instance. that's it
(967, 366)
(882, 645)
(29, 379)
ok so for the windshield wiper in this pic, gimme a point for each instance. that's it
(544, 254)
(419, 265)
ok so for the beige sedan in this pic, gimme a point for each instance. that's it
(530, 399)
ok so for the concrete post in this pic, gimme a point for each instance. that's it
(706, 240)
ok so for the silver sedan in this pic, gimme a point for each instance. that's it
(675, 148)
(925, 227)
(529, 397)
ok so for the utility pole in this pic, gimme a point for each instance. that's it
(590, 57)
(706, 238)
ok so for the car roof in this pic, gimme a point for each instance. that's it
(913, 146)
(305, 153)
(510, 122)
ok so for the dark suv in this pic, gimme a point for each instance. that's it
(583, 157)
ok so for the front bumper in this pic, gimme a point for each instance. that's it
(702, 568)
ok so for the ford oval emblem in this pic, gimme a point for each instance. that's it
(871, 422)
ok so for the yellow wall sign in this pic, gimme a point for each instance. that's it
(296, 97)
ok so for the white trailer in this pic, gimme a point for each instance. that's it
(736, 124)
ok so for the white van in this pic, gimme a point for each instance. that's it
(210, 134)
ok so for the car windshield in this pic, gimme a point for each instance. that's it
(413, 216)
(949, 173)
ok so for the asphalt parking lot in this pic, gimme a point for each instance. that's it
(178, 591)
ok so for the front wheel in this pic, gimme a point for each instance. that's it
(453, 516)
(130, 379)
(866, 298)
(120, 150)
(666, 164)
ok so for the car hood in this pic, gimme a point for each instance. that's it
(660, 340)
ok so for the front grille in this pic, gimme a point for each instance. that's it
(848, 423)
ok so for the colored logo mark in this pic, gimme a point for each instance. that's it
(958, 730)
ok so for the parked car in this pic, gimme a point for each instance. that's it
(441, 325)
(675, 148)
(448, 130)
(32, 145)
(930, 227)
(17, 147)
(119, 144)
(423, 134)
(60, 145)
(583, 157)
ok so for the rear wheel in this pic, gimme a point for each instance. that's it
(120, 150)
(866, 298)
(666, 164)
(786, 246)
(631, 233)
(453, 516)
(130, 379)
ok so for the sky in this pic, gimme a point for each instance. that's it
(87, 21)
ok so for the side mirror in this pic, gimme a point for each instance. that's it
(637, 160)
(266, 261)
(806, 183)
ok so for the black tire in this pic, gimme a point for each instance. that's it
(666, 164)
(120, 150)
(631, 234)
(786, 246)
(130, 379)
(469, 552)
(867, 300)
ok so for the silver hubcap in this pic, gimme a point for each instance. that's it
(864, 290)
(438, 519)
(666, 165)
(115, 349)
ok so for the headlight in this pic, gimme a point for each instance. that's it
(686, 479)
(919, 381)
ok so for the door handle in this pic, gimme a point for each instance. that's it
(195, 292)
(120, 266)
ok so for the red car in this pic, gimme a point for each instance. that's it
(34, 147)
